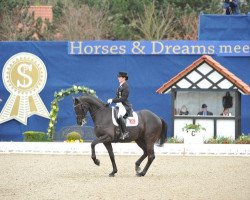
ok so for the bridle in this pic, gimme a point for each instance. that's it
(80, 115)
(92, 113)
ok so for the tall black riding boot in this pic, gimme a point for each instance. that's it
(124, 132)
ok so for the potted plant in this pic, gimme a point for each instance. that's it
(193, 128)
(191, 136)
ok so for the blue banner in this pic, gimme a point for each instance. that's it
(224, 27)
(219, 48)
(33, 71)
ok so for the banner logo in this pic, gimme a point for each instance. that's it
(24, 76)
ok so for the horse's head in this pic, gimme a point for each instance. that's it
(81, 110)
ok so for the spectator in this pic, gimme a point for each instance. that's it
(184, 110)
(226, 112)
(204, 111)
(231, 7)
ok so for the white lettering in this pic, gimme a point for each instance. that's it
(225, 49)
(237, 49)
(158, 45)
(210, 49)
(198, 49)
(86, 51)
(246, 49)
(167, 49)
(73, 47)
(176, 49)
(113, 50)
(122, 49)
(185, 49)
(97, 49)
(105, 49)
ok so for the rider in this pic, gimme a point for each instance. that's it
(122, 103)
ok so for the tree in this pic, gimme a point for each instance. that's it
(187, 27)
(155, 24)
(82, 23)
(16, 22)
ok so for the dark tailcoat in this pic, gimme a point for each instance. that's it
(122, 96)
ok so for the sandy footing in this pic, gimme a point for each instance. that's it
(66, 177)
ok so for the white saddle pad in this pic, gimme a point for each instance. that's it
(130, 121)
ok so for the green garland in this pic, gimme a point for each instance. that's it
(58, 97)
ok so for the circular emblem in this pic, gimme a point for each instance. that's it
(24, 74)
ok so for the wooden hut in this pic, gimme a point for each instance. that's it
(207, 82)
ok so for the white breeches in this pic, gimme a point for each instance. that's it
(122, 110)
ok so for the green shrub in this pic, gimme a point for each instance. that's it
(224, 140)
(73, 136)
(243, 139)
(174, 140)
(220, 140)
(35, 136)
(211, 141)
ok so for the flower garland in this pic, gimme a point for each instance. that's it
(58, 97)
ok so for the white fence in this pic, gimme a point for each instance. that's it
(125, 149)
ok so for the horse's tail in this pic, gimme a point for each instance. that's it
(164, 131)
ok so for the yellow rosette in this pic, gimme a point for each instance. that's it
(24, 76)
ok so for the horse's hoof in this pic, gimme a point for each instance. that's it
(111, 175)
(97, 162)
(140, 174)
(137, 169)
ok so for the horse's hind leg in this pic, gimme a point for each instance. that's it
(151, 157)
(108, 146)
(141, 144)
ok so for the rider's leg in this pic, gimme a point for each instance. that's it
(121, 113)
(122, 124)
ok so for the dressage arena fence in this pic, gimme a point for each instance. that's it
(59, 146)
(124, 149)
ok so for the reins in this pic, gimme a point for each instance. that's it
(96, 111)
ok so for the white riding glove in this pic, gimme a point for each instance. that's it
(110, 101)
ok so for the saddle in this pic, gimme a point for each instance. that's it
(131, 120)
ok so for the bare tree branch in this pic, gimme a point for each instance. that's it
(155, 25)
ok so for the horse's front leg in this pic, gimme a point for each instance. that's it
(93, 155)
(101, 139)
(108, 146)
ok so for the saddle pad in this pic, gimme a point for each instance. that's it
(130, 121)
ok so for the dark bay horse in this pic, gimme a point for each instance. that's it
(150, 129)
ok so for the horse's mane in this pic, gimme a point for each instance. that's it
(93, 98)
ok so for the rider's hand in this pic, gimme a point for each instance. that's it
(110, 101)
